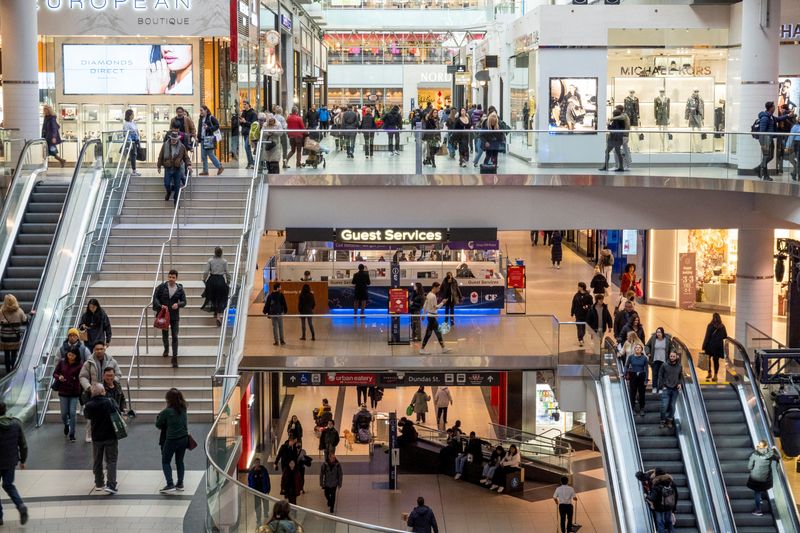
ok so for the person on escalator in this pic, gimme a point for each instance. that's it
(714, 345)
(670, 379)
(760, 467)
(664, 500)
(636, 369)
(12, 318)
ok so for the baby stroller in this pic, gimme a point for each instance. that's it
(321, 420)
(315, 152)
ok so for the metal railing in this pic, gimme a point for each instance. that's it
(755, 339)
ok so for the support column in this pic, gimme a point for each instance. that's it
(20, 73)
(759, 68)
(754, 280)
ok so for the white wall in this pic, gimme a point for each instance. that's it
(409, 77)
(405, 19)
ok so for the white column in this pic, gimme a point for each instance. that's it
(759, 68)
(20, 71)
(754, 280)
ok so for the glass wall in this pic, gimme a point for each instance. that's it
(382, 98)
(395, 48)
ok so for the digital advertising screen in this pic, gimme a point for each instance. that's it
(573, 104)
(127, 69)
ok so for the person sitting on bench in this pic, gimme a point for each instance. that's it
(473, 453)
(509, 463)
(490, 467)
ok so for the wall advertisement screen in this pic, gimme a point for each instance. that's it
(133, 69)
(573, 104)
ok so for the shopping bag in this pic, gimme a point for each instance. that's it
(444, 328)
(191, 443)
(162, 319)
(141, 153)
(410, 409)
(703, 361)
(120, 428)
(218, 135)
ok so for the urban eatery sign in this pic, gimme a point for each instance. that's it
(390, 235)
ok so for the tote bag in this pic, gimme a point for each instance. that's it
(162, 319)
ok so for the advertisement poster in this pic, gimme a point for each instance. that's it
(687, 285)
(398, 301)
(629, 241)
(127, 69)
(573, 104)
(788, 93)
(516, 277)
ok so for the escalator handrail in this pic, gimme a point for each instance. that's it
(749, 381)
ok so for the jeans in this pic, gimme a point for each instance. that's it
(248, 150)
(10, 359)
(478, 151)
(664, 521)
(656, 367)
(174, 327)
(69, 406)
(176, 447)
(767, 151)
(441, 415)
(110, 450)
(234, 144)
(488, 471)
(433, 327)
(757, 495)
(303, 320)
(565, 516)
(330, 497)
(394, 136)
(172, 181)
(449, 310)
(205, 153)
(7, 476)
(262, 508)
(461, 460)
(637, 388)
(349, 142)
(369, 144)
(617, 155)
(581, 331)
(277, 329)
(668, 398)
(134, 150)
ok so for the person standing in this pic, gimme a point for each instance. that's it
(442, 400)
(330, 479)
(556, 253)
(760, 467)
(614, 142)
(361, 391)
(174, 158)
(431, 309)
(13, 452)
(95, 323)
(290, 482)
(92, 372)
(350, 124)
(67, 375)
(129, 127)
(664, 499)
(329, 439)
(420, 403)
(246, 119)
(324, 118)
(599, 317)
(367, 127)
(415, 305)
(51, 135)
(606, 263)
(173, 422)
(209, 125)
(581, 306)
(305, 306)
(275, 307)
(657, 348)
(104, 439)
(636, 373)
(287, 452)
(767, 122)
(422, 519)
(312, 122)
(113, 389)
(670, 379)
(258, 480)
(360, 291)
(170, 295)
(233, 148)
(392, 124)
(375, 395)
(277, 114)
(714, 345)
(294, 124)
(12, 318)
(217, 279)
(564, 497)
(451, 296)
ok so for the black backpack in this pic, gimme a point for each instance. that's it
(669, 497)
(756, 128)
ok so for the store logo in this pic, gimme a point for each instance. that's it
(790, 31)
(663, 71)
(101, 5)
(473, 297)
(390, 235)
(434, 77)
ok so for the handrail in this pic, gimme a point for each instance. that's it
(765, 336)
(555, 443)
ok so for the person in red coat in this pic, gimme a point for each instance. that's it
(67, 374)
(296, 127)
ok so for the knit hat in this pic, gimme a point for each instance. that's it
(73, 331)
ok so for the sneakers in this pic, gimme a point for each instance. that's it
(445, 349)
(167, 489)
(72, 438)
(483, 481)
(23, 515)
(99, 489)
(757, 512)
(500, 490)
(179, 487)
(134, 173)
(111, 489)
(494, 487)
(423, 351)
(457, 476)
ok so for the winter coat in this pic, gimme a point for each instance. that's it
(274, 154)
(581, 305)
(367, 123)
(475, 447)
(175, 422)
(714, 341)
(626, 282)
(592, 319)
(623, 334)
(442, 398)
(279, 299)
(451, 291)
(361, 281)
(328, 439)
(555, 247)
(10, 329)
(330, 475)
(295, 122)
(760, 467)
(296, 428)
(98, 327)
(13, 447)
(286, 453)
(71, 386)
(161, 297)
(599, 284)
(306, 304)
(420, 402)
(659, 483)
(392, 120)
(290, 482)
(116, 395)
(98, 410)
(92, 371)
(422, 520)
(258, 479)
(312, 119)
(83, 351)
(50, 130)
(166, 160)
(416, 302)
(767, 122)
(621, 319)
(350, 121)
(249, 117)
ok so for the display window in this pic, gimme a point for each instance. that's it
(439, 98)
(396, 48)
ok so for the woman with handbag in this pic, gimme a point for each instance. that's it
(272, 151)
(51, 135)
(209, 134)
(95, 325)
(493, 140)
(66, 381)
(628, 281)
(714, 344)
(173, 423)
(129, 127)
(12, 318)
(432, 140)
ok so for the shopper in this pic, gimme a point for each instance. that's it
(113, 389)
(415, 305)
(209, 126)
(330, 480)
(367, 127)
(294, 428)
(508, 464)
(173, 422)
(606, 263)
(375, 395)
(491, 467)
(296, 136)
(760, 467)
(217, 285)
(350, 124)
(246, 119)
(329, 439)
(556, 253)
(634, 325)
(629, 347)
(305, 306)
(287, 452)
(492, 140)
(258, 480)
(628, 281)
(442, 400)
(290, 482)
(73, 342)
(462, 125)
(324, 118)
(431, 309)
(422, 519)
(614, 141)
(185, 125)
(432, 139)
(622, 318)
(233, 140)
(564, 497)
(670, 379)
(473, 453)
(714, 345)
(176, 163)
(13, 452)
(92, 373)
(581, 306)
(255, 131)
(392, 124)
(51, 135)
(657, 348)
(360, 292)
(451, 295)
(625, 125)
(793, 147)
(66, 380)
(12, 319)
(312, 121)
(636, 368)
(271, 146)
(170, 295)
(599, 283)
(664, 499)
(129, 127)
(767, 124)
(420, 403)
(95, 324)
(105, 445)
(280, 521)
(599, 318)
(275, 307)
(277, 114)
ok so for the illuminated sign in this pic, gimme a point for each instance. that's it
(390, 235)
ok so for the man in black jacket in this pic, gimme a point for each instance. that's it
(246, 119)
(392, 122)
(286, 453)
(329, 439)
(581, 304)
(104, 439)
(170, 295)
(13, 450)
(350, 123)
(598, 318)
(275, 307)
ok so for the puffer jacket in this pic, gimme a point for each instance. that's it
(760, 464)
(330, 475)
(92, 371)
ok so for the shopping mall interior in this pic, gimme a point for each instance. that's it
(418, 265)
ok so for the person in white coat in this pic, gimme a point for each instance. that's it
(442, 400)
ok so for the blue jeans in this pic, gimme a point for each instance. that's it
(489, 470)
(758, 495)
(8, 486)
(69, 405)
(172, 181)
(664, 521)
(247, 150)
(234, 144)
(205, 154)
(461, 460)
(176, 447)
(478, 150)
(668, 398)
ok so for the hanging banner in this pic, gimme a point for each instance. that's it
(687, 283)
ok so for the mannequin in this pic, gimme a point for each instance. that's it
(631, 107)
(694, 116)
(661, 110)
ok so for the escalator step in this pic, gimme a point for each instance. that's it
(33, 228)
(41, 218)
(11, 284)
(31, 249)
(726, 417)
(24, 272)
(45, 208)
(35, 239)
(27, 260)
(666, 442)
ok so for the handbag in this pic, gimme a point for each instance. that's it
(55, 384)
(162, 319)
(218, 135)
(83, 335)
(191, 444)
(120, 428)
(208, 142)
(703, 361)
(52, 149)
(141, 152)
(637, 289)
(84, 397)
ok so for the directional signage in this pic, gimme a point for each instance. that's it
(391, 379)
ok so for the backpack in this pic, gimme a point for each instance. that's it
(255, 131)
(669, 497)
(756, 128)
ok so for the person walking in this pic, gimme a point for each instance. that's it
(92, 372)
(606, 263)
(290, 482)
(714, 345)
(636, 374)
(174, 158)
(173, 422)
(66, 381)
(95, 324)
(431, 308)
(392, 124)
(330, 480)
(375, 395)
(599, 283)
(670, 380)
(51, 135)
(415, 305)
(664, 499)
(628, 282)
(73, 342)
(13, 452)
(350, 124)
(114, 390)
(246, 119)
(170, 295)
(303, 460)
(258, 480)
(104, 439)
(280, 119)
(312, 122)
(305, 307)
(420, 403)
(581, 306)
(184, 124)
(324, 118)
(760, 467)
(461, 125)
(209, 125)
(217, 282)
(492, 140)
(564, 496)
(614, 142)
(129, 127)
(294, 427)
(556, 253)
(329, 439)
(767, 122)
(421, 519)
(599, 317)
(360, 291)
(433, 139)
(442, 400)
(367, 127)
(12, 318)
(451, 294)
(658, 346)
(286, 452)
(296, 135)
(275, 307)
